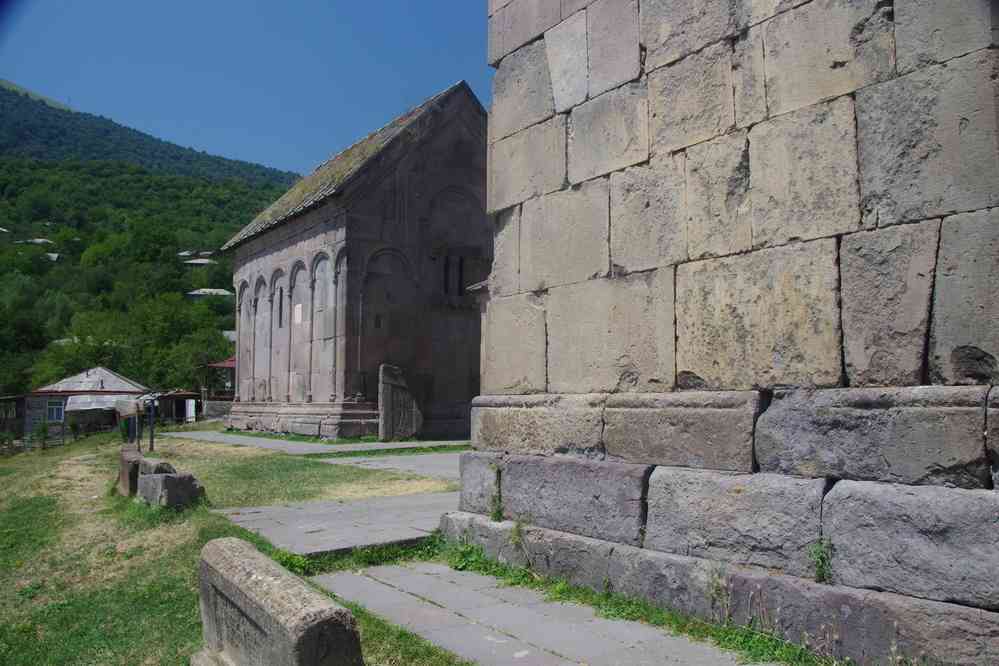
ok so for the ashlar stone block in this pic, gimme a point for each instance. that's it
(609, 133)
(543, 424)
(760, 319)
(718, 203)
(564, 236)
(964, 340)
(928, 141)
(803, 168)
(527, 164)
(504, 279)
(565, 45)
(513, 345)
(934, 543)
(520, 22)
(672, 29)
(570, 7)
(612, 334)
(887, 281)
(648, 215)
(992, 434)
(612, 39)
(928, 32)
(825, 49)
(480, 481)
(522, 91)
(702, 429)
(692, 100)
(923, 435)
(586, 497)
(749, 78)
(766, 520)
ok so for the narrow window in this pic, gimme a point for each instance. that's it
(461, 276)
(378, 321)
(447, 273)
(54, 411)
(281, 308)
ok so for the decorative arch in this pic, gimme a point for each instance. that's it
(276, 276)
(380, 257)
(296, 270)
(322, 255)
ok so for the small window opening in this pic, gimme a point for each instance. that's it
(281, 308)
(447, 274)
(378, 321)
(461, 276)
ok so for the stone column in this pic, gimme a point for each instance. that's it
(239, 344)
(335, 332)
(291, 324)
(270, 346)
(340, 330)
(253, 355)
(312, 329)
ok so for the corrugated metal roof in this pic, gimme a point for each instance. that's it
(95, 379)
(332, 174)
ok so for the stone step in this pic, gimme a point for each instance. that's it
(479, 619)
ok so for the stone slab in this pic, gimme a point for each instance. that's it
(934, 543)
(760, 319)
(927, 141)
(992, 434)
(672, 29)
(155, 466)
(565, 46)
(504, 278)
(480, 482)
(170, 490)
(832, 620)
(929, 32)
(255, 612)
(304, 448)
(513, 345)
(609, 132)
(522, 92)
(803, 173)
(708, 430)
(435, 465)
(648, 215)
(612, 43)
(544, 423)
(527, 164)
(765, 520)
(964, 337)
(825, 49)
(719, 208)
(612, 334)
(591, 498)
(312, 528)
(692, 100)
(929, 435)
(564, 236)
(887, 282)
(749, 78)
(128, 470)
(518, 23)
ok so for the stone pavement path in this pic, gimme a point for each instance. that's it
(437, 465)
(299, 448)
(312, 528)
(476, 618)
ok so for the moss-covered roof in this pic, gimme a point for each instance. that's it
(329, 176)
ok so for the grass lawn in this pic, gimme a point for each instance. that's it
(88, 578)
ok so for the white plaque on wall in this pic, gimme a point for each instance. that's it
(298, 313)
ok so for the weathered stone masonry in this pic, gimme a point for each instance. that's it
(743, 303)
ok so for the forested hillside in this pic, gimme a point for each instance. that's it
(33, 127)
(115, 294)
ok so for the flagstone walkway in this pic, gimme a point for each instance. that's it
(478, 619)
(299, 448)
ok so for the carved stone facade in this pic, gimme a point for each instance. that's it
(366, 261)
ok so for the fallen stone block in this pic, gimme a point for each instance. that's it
(170, 490)
(766, 520)
(255, 612)
(935, 543)
(591, 498)
(703, 429)
(155, 466)
(498, 540)
(538, 423)
(929, 435)
(480, 482)
(128, 470)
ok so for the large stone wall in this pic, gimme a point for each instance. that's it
(743, 304)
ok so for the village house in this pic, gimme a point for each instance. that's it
(367, 262)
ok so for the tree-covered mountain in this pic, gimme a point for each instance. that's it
(35, 127)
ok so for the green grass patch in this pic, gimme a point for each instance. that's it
(137, 515)
(408, 451)
(27, 525)
(6, 471)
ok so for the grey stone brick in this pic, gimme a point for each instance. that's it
(929, 435)
(703, 429)
(612, 40)
(992, 434)
(672, 29)
(934, 543)
(648, 215)
(504, 279)
(570, 7)
(692, 100)
(927, 141)
(590, 498)
(825, 49)
(766, 520)
(522, 91)
(527, 164)
(760, 319)
(612, 334)
(749, 78)
(928, 32)
(964, 340)
(565, 46)
(887, 279)
(480, 473)
(803, 170)
(609, 133)
(719, 209)
(513, 345)
(170, 490)
(155, 466)
(520, 22)
(538, 424)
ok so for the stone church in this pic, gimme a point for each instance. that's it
(365, 262)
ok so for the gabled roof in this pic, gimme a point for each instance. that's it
(330, 176)
(95, 379)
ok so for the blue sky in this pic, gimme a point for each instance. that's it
(285, 84)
